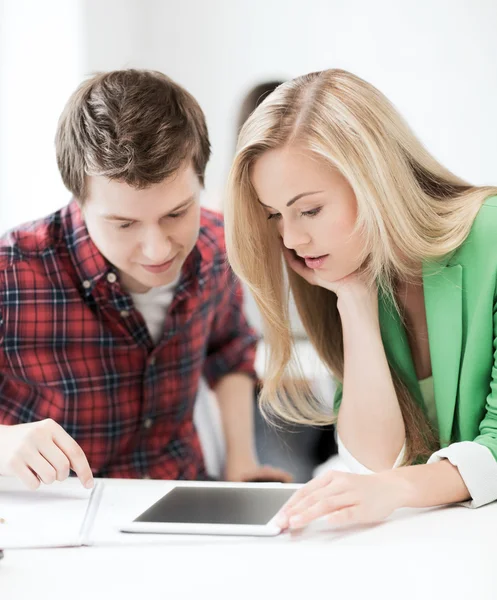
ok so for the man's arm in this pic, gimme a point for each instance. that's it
(235, 395)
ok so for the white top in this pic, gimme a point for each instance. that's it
(474, 461)
(153, 306)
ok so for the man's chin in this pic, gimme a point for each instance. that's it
(141, 282)
(159, 279)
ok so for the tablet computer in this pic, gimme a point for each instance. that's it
(240, 509)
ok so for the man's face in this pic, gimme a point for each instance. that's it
(146, 234)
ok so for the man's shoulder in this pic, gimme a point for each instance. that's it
(211, 236)
(212, 226)
(28, 243)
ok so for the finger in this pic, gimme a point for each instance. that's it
(319, 509)
(349, 515)
(284, 476)
(297, 265)
(334, 488)
(310, 500)
(25, 475)
(313, 485)
(274, 474)
(282, 517)
(77, 458)
(41, 467)
(59, 461)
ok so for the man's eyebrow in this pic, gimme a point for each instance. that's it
(113, 217)
(295, 198)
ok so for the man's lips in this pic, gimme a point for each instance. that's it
(160, 268)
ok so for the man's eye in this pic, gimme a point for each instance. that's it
(273, 216)
(177, 215)
(125, 225)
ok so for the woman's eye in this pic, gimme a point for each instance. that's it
(273, 216)
(125, 225)
(311, 213)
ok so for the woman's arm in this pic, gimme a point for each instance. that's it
(370, 422)
(427, 485)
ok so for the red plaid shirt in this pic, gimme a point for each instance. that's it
(74, 348)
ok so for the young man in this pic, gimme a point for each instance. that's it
(112, 308)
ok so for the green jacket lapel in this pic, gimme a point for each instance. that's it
(443, 301)
(396, 345)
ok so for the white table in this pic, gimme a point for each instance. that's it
(440, 553)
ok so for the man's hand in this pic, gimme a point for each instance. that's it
(252, 471)
(41, 451)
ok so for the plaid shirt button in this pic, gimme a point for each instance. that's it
(112, 278)
(148, 423)
(152, 361)
(124, 314)
(87, 284)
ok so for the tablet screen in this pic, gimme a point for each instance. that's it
(230, 506)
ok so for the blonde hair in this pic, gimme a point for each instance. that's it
(410, 209)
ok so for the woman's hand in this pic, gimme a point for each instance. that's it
(354, 282)
(343, 499)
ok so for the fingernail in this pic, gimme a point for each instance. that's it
(280, 520)
(295, 521)
(89, 484)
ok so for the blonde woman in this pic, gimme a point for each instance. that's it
(392, 261)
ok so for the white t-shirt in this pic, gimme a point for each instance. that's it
(153, 306)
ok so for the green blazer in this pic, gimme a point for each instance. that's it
(461, 311)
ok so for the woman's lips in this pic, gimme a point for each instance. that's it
(162, 268)
(315, 262)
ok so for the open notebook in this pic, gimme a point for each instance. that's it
(53, 516)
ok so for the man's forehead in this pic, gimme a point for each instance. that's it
(117, 197)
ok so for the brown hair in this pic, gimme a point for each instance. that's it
(133, 126)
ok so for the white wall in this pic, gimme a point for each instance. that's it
(40, 64)
(436, 59)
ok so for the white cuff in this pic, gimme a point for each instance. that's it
(477, 467)
(354, 466)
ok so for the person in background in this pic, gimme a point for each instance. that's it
(112, 308)
(393, 265)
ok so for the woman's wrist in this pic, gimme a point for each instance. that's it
(358, 307)
(399, 487)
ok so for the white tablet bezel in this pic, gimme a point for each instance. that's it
(268, 529)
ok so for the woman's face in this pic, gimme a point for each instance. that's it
(312, 207)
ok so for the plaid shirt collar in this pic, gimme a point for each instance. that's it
(92, 267)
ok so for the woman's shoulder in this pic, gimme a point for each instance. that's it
(490, 202)
(484, 229)
(480, 247)
(488, 208)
